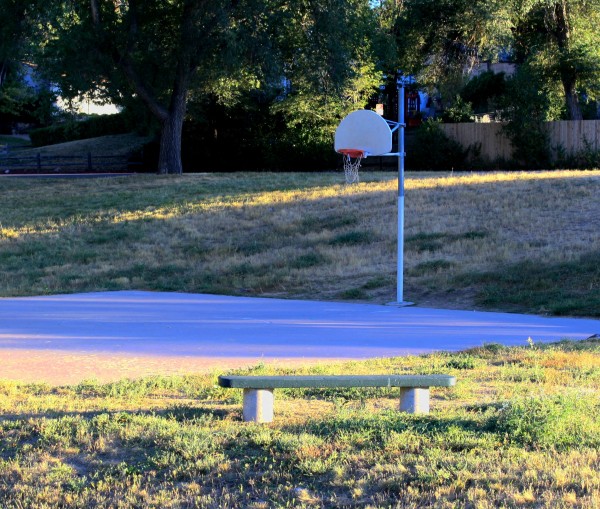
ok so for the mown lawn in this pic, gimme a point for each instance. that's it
(517, 241)
(520, 429)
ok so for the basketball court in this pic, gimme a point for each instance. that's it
(68, 338)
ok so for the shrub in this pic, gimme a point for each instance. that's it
(528, 104)
(101, 125)
(431, 148)
(482, 91)
(459, 111)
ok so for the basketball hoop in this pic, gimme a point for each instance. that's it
(360, 134)
(352, 159)
(369, 134)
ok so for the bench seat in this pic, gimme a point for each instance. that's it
(258, 390)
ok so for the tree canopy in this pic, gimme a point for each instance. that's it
(164, 53)
(557, 39)
(306, 62)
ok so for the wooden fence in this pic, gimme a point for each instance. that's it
(14, 162)
(567, 137)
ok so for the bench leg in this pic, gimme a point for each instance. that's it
(414, 400)
(258, 405)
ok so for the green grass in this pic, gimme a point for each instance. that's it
(567, 288)
(112, 145)
(437, 241)
(14, 141)
(520, 429)
(471, 241)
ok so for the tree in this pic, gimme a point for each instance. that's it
(328, 57)
(21, 98)
(440, 39)
(562, 38)
(153, 49)
(14, 35)
(164, 51)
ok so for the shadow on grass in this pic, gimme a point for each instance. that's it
(568, 288)
(378, 426)
(179, 413)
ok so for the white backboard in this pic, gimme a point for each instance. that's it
(364, 130)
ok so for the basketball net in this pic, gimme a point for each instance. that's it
(352, 159)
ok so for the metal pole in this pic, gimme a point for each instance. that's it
(400, 273)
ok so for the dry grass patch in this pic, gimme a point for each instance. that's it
(305, 236)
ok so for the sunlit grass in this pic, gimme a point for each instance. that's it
(303, 235)
(520, 429)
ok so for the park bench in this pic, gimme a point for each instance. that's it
(258, 390)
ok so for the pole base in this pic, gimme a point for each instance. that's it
(402, 304)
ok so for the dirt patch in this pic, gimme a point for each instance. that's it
(63, 368)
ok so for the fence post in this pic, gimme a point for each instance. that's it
(39, 161)
(89, 158)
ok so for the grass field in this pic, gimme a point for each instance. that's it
(514, 241)
(520, 429)
(12, 142)
(112, 145)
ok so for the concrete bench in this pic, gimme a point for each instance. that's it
(258, 390)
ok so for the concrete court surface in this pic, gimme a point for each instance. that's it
(67, 338)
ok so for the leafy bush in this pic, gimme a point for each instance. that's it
(588, 157)
(463, 361)
(459, 111)
(101, 125)
(431, 148)
(529, 102)
(483, 90)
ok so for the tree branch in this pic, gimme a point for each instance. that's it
(141, 90)
(95, 13)
(123, 61)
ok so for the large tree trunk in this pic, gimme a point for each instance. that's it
(169, 160)
(171, 119)
(568, 74)
(571, 98)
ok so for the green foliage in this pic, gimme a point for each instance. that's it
(92, 127)
(588, 157)
(527, 106)
(24, 104)
(561, 39)
(438, 38)
(432, 149)
(463, 361)
(483, 91)
(459, 111)
(302, 67)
